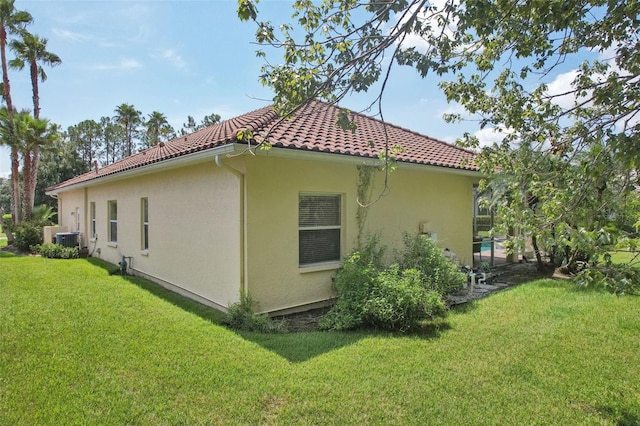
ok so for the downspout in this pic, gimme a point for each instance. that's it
(244, 284)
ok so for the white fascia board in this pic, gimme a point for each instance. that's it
(350, 159)
(172, 163)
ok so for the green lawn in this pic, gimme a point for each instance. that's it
(78, 346)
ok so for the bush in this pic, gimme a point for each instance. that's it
(399, 302)
(438, 273)
(240, 316)
(27, 234)
(369, 294)
(56, 251)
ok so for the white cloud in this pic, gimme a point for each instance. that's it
(70, 35)
(489, 135)
(561, 89)
(173, 58)
(123, 65)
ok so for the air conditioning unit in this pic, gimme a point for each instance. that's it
(67, 239)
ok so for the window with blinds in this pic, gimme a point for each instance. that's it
(319, 228)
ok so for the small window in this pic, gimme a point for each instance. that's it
(92, 215)
(319, 228)
(144, 214)
(113, 221)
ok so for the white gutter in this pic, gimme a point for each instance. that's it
(244, 272)
(180, 161)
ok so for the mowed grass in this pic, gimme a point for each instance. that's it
(78, 346)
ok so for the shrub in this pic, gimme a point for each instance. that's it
(27, 234)
(240, 316)
(56, 251)
(369, 294)
(438, 273)
(399, 302)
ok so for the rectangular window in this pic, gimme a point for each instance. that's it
(92, 215)
(319, 228)
(144, 214)
(113, 221)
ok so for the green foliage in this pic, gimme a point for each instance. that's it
(42, 215)
(394, 298)
(240, 316)
(618, 279)
(56, 251)
(566, 161)
(438, 273)
(398, 301)
(27, 235)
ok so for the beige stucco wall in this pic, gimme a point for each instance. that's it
(196, 219)
(194, 227)
(441, 200)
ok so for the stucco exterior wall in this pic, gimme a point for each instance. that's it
(194, 228)
(442, 201)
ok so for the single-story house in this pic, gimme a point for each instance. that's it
(209, 214)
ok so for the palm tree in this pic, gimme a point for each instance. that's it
(129, 118)
(12, 21)
(156, 123)
(32, 134)
(32, 50)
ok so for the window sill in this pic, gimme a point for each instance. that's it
(112, 244)
(316, 267)
(144, 253)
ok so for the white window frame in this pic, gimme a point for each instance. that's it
(144, 224)
(112, 221)
(92, 216)
(319, 264)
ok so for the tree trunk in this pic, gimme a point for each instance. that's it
(15, 185)
(536, 250)
(15, 161)
(30, 178)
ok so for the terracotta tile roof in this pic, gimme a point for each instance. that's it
(313, 129)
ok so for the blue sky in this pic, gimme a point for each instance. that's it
(180, 58)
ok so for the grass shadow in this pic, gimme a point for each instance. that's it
(203, 311)
(620, 416)
(298, 346)
(302, 346)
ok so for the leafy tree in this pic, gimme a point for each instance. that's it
(209, 120)
(112, 135)
(129, 118)
(12, 21)
(189, 126)
(59, 161)
(568, 158)
(87, 138)
(31, 50)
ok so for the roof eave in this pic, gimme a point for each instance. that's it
(358, 160)
(171, 163)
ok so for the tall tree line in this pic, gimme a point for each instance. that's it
(25, 132)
